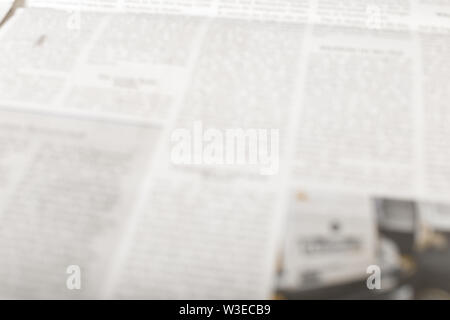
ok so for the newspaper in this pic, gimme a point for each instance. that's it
(92, 93)
(155, 229)
(359, 103)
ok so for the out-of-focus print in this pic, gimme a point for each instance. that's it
(227, 149)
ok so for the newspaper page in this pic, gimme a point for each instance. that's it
(87, 68)
(67, 186)
(368, 119)
(121, 108)
(371, 115)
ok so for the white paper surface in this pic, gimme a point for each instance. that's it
(217, 229)
(5, 7)
(90, 94)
